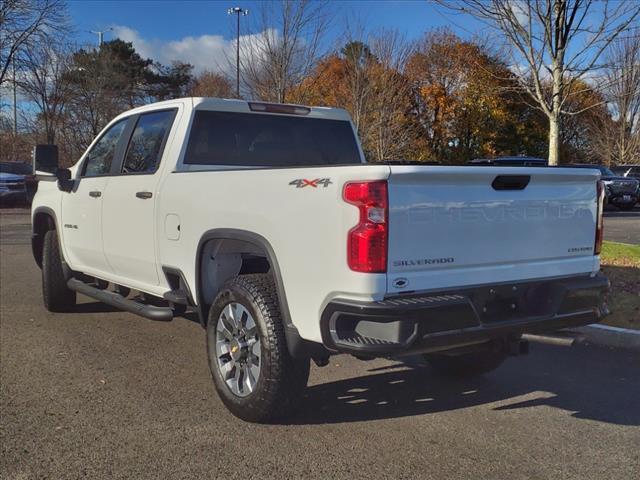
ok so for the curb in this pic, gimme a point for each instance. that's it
(610, 336)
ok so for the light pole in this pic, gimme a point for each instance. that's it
(237, 11)
(100, 34)
(15, 110)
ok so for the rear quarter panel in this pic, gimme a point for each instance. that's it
(306, 227)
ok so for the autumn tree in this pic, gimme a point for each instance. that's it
(461, 104)
(366, 78)
(211, 84)
(389, 133)
(434, 71)
(553, 41)
(341, 79)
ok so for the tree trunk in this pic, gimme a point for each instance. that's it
(556, 106)
(554, 140)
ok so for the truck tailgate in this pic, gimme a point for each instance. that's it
(461, 226)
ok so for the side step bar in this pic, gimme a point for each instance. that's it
(163, 314)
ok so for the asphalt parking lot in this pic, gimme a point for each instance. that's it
(104, 394)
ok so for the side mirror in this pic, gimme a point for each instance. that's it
(45, 159)
(65, 183)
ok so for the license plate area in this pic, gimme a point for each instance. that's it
(513, 302)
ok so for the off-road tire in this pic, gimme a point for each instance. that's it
(467, 365)
(282, 378)
(55, 293)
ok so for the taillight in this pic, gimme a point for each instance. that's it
(367, 241)
(599, 222)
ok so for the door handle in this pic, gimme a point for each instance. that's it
(144, 195)
(95, 194)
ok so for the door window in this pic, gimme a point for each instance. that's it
(100, 157)
(147, 142)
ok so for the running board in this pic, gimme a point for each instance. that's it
(163, 314)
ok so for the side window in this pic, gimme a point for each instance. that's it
(147, 141)
(100, 157)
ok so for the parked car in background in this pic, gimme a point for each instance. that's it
(17, 183)
(629, 171)
(511, 162)
(623, 192)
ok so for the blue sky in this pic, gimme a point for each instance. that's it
(191, 30)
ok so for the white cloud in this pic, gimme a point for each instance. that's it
(206, 52)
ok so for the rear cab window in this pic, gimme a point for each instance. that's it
(268, 140)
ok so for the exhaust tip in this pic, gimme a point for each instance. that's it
(558, 339)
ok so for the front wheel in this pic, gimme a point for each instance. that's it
(252, 370)
(466, 365)
(55, 293)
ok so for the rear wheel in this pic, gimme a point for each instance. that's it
(55, 293)
(466, 365)
(252, 370)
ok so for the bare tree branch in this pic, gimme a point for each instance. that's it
(617, 139)
(283, 47)
(557, 42)
(42, 82)
(25, 24)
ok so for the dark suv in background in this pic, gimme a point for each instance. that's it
(510, 162)
(623, 192)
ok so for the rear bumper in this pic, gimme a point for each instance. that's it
(438, 321)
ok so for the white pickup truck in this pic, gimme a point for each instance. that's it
(265, 220)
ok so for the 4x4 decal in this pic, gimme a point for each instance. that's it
(303, 182)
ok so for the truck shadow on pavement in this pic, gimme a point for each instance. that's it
(591, 382)
(94, 307)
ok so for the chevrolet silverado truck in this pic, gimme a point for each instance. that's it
(265, 222)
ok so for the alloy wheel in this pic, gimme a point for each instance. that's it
(238, 349)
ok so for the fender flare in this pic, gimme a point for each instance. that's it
(244, 236)
(35, 236)
(297, 346)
